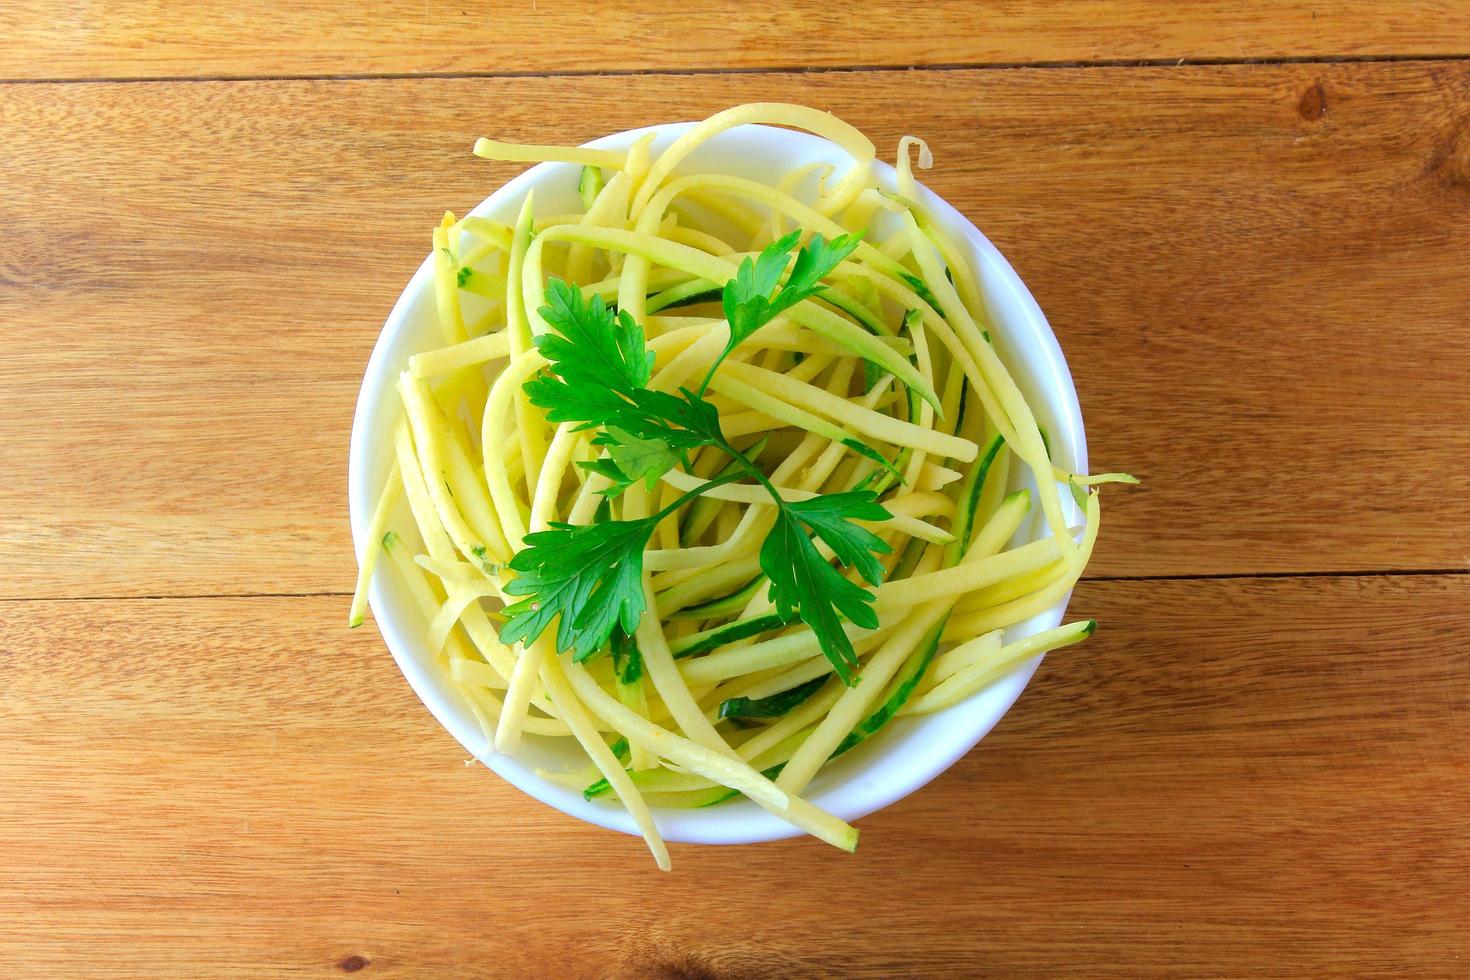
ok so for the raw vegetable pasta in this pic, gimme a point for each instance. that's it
(714, 480)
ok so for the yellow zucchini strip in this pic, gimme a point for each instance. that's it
(518, 319)
(743, 538)
(446, 287)
(855, 702)
(787, 185)
(964, 276)
(669, 780)
(701, 240)
(902, 294)
(488, 285)
(419, 588)
(477, 680)
(660, 278)
(752, 397)
(489, 149)
(743, 219)
(458, 597)
(934, 477)
(737, 775)
(781, 680)
(1031, 447)
(659, 666)
(1013, 588)
(803, 214)
(610, 210)
(560, 686)
(797, 720)
(952, 662)
(529, 667)
(435, 472)
(1096, 479)
(494, 435)
(793, 647)
(533, 659)
(479, 701)
(980, 567)
(852, 416)
(986, 670)
(852, 141)
(748, 422)
(482, 252)
(488, 230)
(467, 490)
(502, 659)
(436, 539)
(926, 411)
(720, 579)
(1010, 613)
(372, 544)
(723, 769)
(553, 471)
(470, 353)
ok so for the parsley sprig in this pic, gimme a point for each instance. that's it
(590, 578)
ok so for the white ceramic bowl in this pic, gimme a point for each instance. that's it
(890, 765)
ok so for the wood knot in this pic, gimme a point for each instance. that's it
(681, 967)
(353, 963)
(1313, 103)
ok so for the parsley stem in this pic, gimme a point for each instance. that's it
(684, 498)
(752, 469)
(710, 374)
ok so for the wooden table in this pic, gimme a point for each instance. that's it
(1249, 224)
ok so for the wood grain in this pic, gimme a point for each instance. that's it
(1247, 778)
(129, 39)
(1257, 274)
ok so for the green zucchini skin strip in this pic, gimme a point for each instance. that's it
(900, 691)
(686, 294)
(970, 500)
(711, 639)
(725, 605)
(774, 706)
(726, 794)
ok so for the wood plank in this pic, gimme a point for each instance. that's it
(1231, 777)
(1257, 273)
(117, 38)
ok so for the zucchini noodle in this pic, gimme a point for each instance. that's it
(891, 380)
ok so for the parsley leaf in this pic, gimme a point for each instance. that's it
(831, 517)
(618, 481)
(591, 576)
(638, 458)
(747, 298)
(756, 296)
(599, 371)
(805, 585)
(591, 345)
(813, 263)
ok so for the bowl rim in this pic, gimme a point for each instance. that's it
(851, 800)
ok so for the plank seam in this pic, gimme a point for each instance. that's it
(1102, 63)
(1163, 577)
